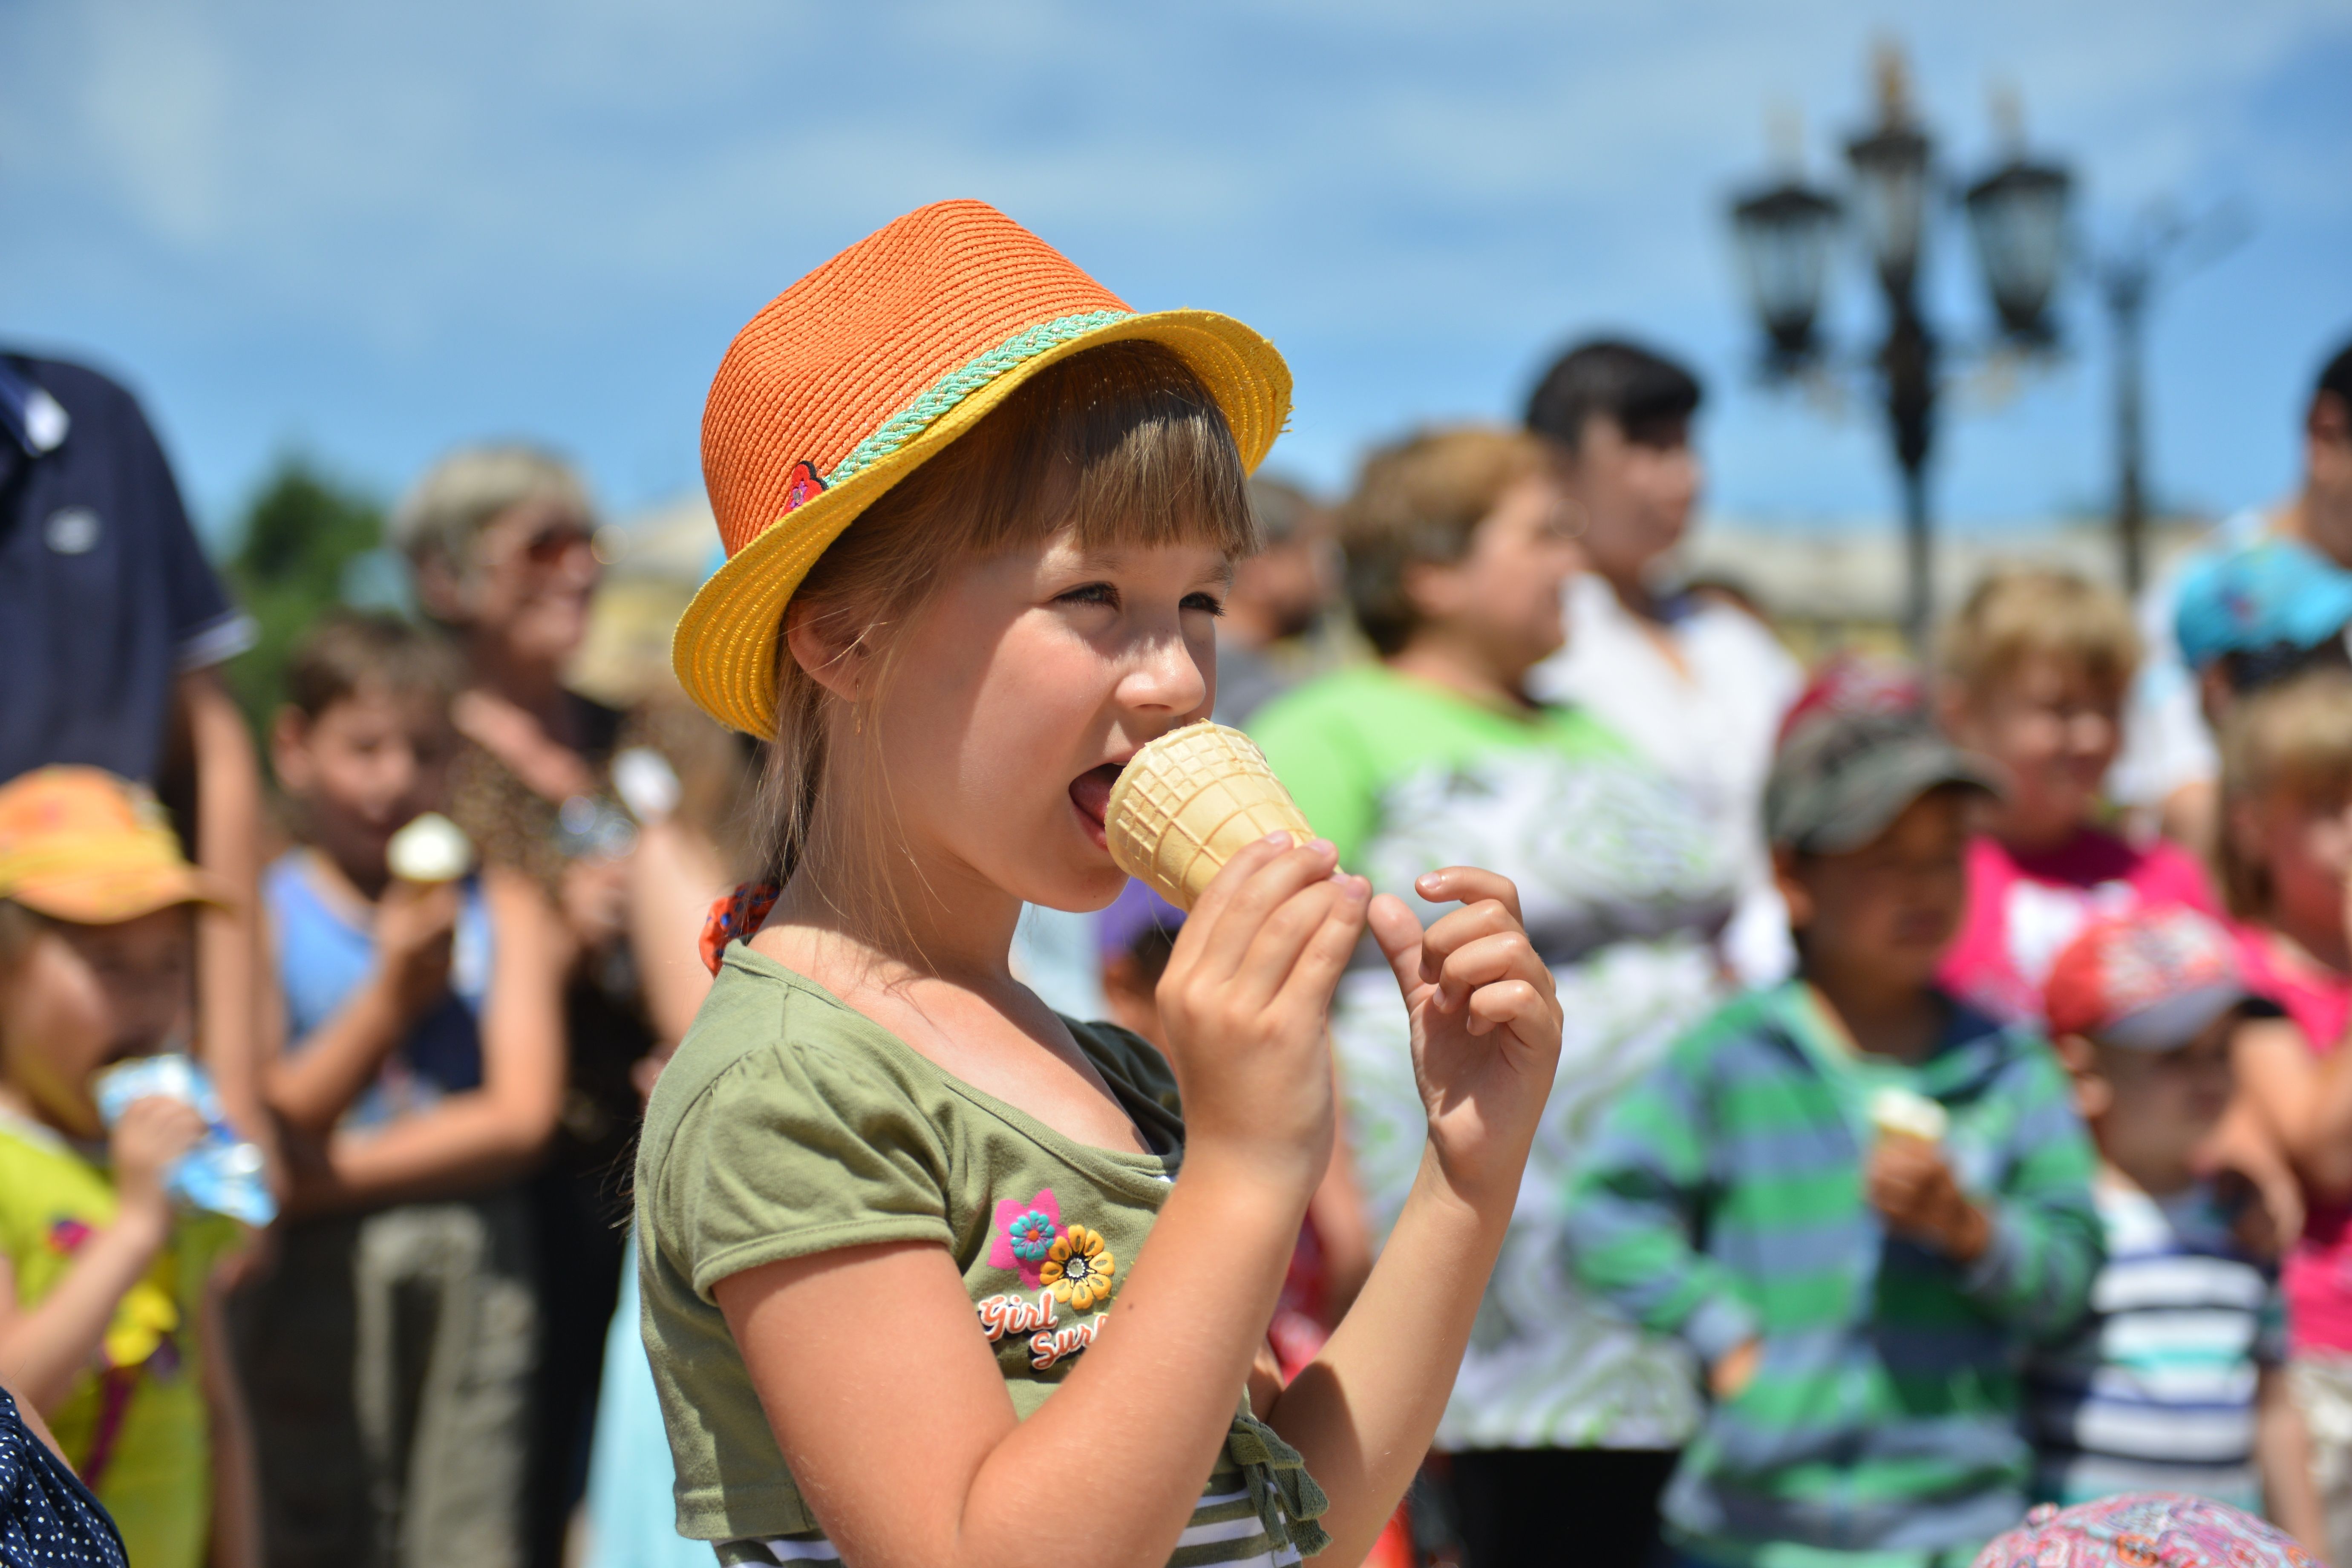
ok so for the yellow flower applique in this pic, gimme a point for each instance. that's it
(1078, 1268)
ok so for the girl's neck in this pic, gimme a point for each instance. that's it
(928, 923)
(1458, 665)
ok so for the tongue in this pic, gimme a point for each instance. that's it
(1090, 791)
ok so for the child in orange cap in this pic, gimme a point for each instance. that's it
(102, 1284)
(981, 517)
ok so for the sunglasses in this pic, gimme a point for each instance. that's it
(555, 539)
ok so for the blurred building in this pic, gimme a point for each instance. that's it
(1829, 586)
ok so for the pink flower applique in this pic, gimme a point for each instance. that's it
(1022, 1232)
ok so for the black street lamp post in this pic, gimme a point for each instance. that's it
(2018, 215)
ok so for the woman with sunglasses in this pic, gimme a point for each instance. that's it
(502, 543)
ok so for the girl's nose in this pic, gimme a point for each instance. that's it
(1168, 676)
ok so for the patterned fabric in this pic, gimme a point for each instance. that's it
(48, 1518)
(734, 916)
(2144, 1530)
(1723, 1201)
(2156, 1390)
(1623, 884)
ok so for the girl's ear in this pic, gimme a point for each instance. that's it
(823, 647)
(1433, 589)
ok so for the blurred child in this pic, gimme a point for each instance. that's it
(2286, 864)
(2036, 668)
(2175, 1380)
(1860, 1296)
(103, 1302)
(389, 1357)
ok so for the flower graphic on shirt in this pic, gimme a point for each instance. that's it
(1078, 1268)
(1032, 1236)
(1022, 1234)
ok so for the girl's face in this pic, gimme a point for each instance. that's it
(1503, 597)
(81, 997)
(1020, 692)
(2055, 731)
(2305, 846)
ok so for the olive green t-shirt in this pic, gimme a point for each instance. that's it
(790, 1124)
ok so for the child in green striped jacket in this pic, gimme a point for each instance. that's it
(1857, 1200)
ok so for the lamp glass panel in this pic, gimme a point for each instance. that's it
(1784, 249)
(2019, 220)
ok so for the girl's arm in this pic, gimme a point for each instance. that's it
(1486, 1027)
(497, 1131)
(885, 1398)
(2282, 1454)
(44, 1348)
(2305, 1102)
(312, 1088)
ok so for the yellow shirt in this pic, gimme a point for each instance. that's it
(134, 1424)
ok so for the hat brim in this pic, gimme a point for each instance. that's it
(1866, 813)
(724, 650)
(109, 897)
(2168, 1024)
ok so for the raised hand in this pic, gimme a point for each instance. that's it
(1244, 1002)
(1486, 1023)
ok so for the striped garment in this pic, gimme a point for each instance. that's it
(1723, 1201)
(2156, 1390)
(1225, 1532)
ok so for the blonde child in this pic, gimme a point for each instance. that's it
(931, 1275)
(2036, 667)
(2286, 865)
(105, 1315)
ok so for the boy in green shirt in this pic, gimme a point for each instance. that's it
(1855, 1199)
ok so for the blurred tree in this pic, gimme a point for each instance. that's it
(300, 541)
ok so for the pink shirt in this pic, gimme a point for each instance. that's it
(2024, 909)
(2318, 1277)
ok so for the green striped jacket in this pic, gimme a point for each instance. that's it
(1722, 1199)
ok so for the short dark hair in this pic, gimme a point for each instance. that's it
(351, 649)
(1645, 394)
(2336, 377)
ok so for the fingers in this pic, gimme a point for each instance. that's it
(1469, 885)
(1400, 936)
(1314, 972)
(1245, 896)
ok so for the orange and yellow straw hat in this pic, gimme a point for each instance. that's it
(854, 375)
(78, 844)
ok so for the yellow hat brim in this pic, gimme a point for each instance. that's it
(724, 650)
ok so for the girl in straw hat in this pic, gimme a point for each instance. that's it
(979, 515)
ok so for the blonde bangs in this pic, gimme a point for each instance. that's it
(2293, 744)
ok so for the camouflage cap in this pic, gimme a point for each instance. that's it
(1855, 751)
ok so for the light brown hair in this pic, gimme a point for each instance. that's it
(1119, 444)
(2289, 744)
(2021, 611)
(350, 650)
(1418, 502)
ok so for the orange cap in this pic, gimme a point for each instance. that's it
(847, 381)
(78, 844)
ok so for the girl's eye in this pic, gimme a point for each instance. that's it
(1090, 593)
(1209, 603)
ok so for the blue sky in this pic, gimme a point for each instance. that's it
(371, 231)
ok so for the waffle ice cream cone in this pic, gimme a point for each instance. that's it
(1186, 803)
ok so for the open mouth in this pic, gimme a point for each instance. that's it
(1091, 793)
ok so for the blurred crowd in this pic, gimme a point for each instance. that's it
(1951, 1115)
